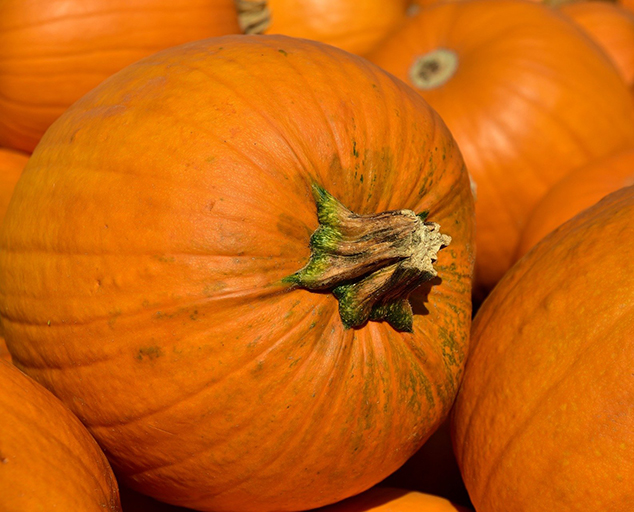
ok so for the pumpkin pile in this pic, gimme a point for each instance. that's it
(272, 255)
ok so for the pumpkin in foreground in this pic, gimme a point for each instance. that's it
(52, 53)
(175, 290)
(577, 191)
(11, 165)
(386, 499)
(48, 460)
(544, 419)
(528, 98)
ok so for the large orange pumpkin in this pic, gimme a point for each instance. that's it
(153, 285)
(611, 26)
(526, 95)
(48, 460)
(577, 191)
(11, 165)
(544, 419)
(385, 499)
(353, 25)
(52, 53)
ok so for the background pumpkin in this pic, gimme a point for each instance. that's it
(517, 84)
(11, 165)
(47, 458)
(52, 53)
(171, 201)
(575, 192)
(385, 499)
(611, 26)
(543, 420)
(356, 26)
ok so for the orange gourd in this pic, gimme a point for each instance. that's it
(48, 461)
(158, 291)
(11, 165)
(385, 499)
(577, 191)
(517, 84)
(52, 53)
(544, 419)
(611, 26)
(356, 26)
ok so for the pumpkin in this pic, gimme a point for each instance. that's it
(132, 501)
(611, 26)
(385, 499)
(47, 458)
(577, 191)
(213, 284)
(517, 84)
(11, 165)
(52, 53)
(544, 419)
(356, 26)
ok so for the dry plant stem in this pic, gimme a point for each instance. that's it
(371, 263)
(254, 16)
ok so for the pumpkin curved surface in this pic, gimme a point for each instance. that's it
(577, 191)
(48, 460)
(356, 26)
(544, 418)
(11, 165)
(386, 499)
(172, 202)
(611, 26)
(517, 83)
(52, 53)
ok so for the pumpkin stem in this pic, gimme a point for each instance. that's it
(254, 16)
(371, 263)
(434, 68)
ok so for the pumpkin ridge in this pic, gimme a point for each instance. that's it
(253, 107)
(336, 367)
(207, 384)
(52, 434)
(539, 402)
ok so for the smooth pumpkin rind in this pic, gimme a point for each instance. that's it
(52, 53)
(149, 294)
(545, 399)
(519, 103)
(386, 499)
(356, 26)
(577, 191)
(48, 460)
(611, 26)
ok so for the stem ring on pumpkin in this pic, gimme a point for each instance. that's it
(434, 68)
(371, 263)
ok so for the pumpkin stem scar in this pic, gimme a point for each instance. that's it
(433, 69)
(370, 263)
(254, 16)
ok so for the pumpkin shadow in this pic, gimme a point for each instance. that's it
(420, 296)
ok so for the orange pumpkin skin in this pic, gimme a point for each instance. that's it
(385, 499)
(577, 191)
(611, 26)
(356, 26)
(52, 53)
(171, 202)
(546, 398)
(11, 165)
(518, 104)
(48, 461)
